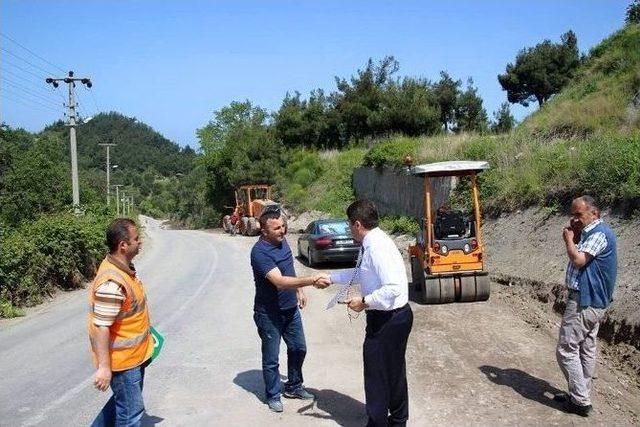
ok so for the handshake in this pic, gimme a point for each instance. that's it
(321, 280)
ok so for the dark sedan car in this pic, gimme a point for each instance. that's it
(327, 240)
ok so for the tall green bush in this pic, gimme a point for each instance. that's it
(53, 252)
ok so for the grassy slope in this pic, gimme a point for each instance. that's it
(585, 140)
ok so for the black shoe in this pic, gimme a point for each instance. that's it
(299, 393)
(582, 410)
(561, 397)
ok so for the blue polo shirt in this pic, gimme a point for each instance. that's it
(264, 258)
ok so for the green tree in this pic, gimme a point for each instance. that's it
(409, 107)
(541, 71)
(231, 124)
(35, 177)
(503, 121)
(243, 151)
(469, 113)
(447, 91)
(633, 13)
(356, 101)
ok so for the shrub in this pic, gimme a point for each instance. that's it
(58, 251)
(399, 225)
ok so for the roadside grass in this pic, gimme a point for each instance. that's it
(527, 171)
(399, 225)
(585, 140)
(599, 97)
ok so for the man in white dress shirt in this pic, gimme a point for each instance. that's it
(381, 273)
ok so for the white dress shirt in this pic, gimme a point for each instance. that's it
(382, 275)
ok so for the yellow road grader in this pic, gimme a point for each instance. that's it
(250, 201)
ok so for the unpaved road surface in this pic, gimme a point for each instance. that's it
(468, 364)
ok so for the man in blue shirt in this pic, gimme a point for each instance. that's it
(278, 296)
(590, 279)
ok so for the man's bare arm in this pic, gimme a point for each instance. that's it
(286, 282)
(102, 377)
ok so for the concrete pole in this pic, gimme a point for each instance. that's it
(108, 170)
(118, 199)
(124, 203)
(70, 80)
(74, 146)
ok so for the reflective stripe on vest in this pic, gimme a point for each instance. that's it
(131, 342)
(135, 309)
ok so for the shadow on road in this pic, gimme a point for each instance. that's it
(252, 382)
(340, 408)
(526, 385)
(329, 404)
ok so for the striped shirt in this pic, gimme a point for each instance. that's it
(594, 245)
(108, 302)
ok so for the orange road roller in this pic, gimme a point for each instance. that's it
(447, 261)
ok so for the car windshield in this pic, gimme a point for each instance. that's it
(338, 227)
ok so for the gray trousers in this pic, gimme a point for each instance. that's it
(576, 350)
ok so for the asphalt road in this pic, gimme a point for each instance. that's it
(468, 364)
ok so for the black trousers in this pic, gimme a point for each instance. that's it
(385, 376)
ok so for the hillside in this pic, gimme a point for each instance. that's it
(139, 146)
(603, 96)
(558, 151)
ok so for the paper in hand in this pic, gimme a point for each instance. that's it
(342, 295)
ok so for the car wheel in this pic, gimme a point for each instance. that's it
(310, 259)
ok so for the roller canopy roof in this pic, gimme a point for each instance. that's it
(462, 167)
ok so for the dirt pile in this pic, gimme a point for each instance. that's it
(525, 252)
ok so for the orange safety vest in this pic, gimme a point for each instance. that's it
(130, 341)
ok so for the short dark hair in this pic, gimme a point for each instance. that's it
(273, 211)
(364, 211)
(118, 231)
(266, 217)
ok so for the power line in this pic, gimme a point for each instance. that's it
(37, 85)
(24, 101)
(4, 97)
(27, 90)
(25, 60)
(32, 52)
(93, 98)
(5, 61)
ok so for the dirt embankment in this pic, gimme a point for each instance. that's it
(526, 254)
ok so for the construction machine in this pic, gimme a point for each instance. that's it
(250, 201)
(447, 261)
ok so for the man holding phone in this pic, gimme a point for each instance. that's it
(590, 279)
(278, 298)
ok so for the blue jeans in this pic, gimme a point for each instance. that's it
(285, 324)
(125, 407)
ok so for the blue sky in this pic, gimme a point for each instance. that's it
(173, 63)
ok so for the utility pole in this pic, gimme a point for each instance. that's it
(118, 198)
(124, 203)
(70, 80)
(108, 167)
